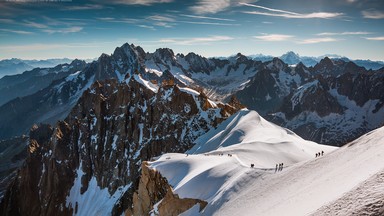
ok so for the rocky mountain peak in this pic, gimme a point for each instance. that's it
(325, 63)
(351, 67)
(164, 54)
(241, 58)
(101, 144)
(198, 63)
(290, 58)
(277, 65)
(129, 51)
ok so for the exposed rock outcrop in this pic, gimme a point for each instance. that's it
(101, 144)
(12, 155)
(154, 189)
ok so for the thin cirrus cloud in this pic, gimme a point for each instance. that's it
(195, 41)
(40, 47)
(137, 2)
(147, 27)
(52, 26)
(317, 40)
(274, 37)
(161, 18)
(73, 29)
(210, 23)
(215, 6)
(7, 21)
(206, 18)
(34, 24)
(375, 38)
(85, 7)
(16, 31)
(162, 21)
(373, 14)
(343, 33)
(289, 14)
(123, 20)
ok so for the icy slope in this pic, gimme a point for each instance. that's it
(306, 187)
(216, 179)
(343, 182)
(255, 140)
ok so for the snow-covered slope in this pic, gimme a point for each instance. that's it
(254, 140)
(208, 173)
(306, 187)
(342, 182)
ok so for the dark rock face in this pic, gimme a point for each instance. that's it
(308, 98)
(55, 101)
(108, 133)
(12, 155)
(335, 106)
(268, 88)
(22, 198)
(262, 93)
(154, 188)
(333, 102)
(272, 83)
(198, 63)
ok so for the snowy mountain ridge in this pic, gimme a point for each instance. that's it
(264, 87)
(15, 66)
(292, 58)
(132, 106)
(314, 186)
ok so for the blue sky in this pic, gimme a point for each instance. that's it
(33, 29)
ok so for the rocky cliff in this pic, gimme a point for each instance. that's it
(96, 152)
(12, 155)
(155, 196)
(333, 102)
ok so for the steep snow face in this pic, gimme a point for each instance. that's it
(309, 187)
(218, 77)
(224, 168)
(255, 140)
(94, 201)
(315, 183)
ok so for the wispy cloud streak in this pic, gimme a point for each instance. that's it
(215, 6)
(289, 14)
(373, 14)
(73, 29)
(343, 33)
(84, 7)
(375, 38)
(136, 2)
(17, 31)
(269, 9)
(210, 23)
(274, 37)
(194, 41)
(207, 18)
(317, 40)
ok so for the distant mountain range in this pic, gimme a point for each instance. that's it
(292, 58)
(291, 95)
(111, 115)
(17, 66)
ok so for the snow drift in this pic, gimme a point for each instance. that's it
(217, 169)
(342, 182)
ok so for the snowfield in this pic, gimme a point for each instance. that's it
(344, 181)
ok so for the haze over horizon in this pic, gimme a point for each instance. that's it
(84, 29)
